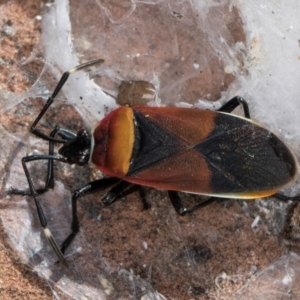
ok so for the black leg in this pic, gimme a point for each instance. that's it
(286, 198)
(92, 187)
(140, 189)
(118, 191)
(235, 102)
(142, 193)
(179, 207)
(122, 189)
(59, 86)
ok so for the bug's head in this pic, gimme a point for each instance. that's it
(77, 150)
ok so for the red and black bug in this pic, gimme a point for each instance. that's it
(211, 153)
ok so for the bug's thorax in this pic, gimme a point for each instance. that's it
(77, 150)
(112, 142)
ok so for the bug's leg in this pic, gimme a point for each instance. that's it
(49, 182)
(92, 187)
(179, 207)
(146, 205)
(122, 189)
(118, 191)
(142, 194)
(235, 102)
(140, 189)
(59, 86)
(286, 198)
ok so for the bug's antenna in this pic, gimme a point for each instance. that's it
(41, 215)
(85, 65)
(55, 247)
(59, 86)
(47, 231)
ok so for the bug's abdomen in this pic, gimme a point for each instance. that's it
(113, 139)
